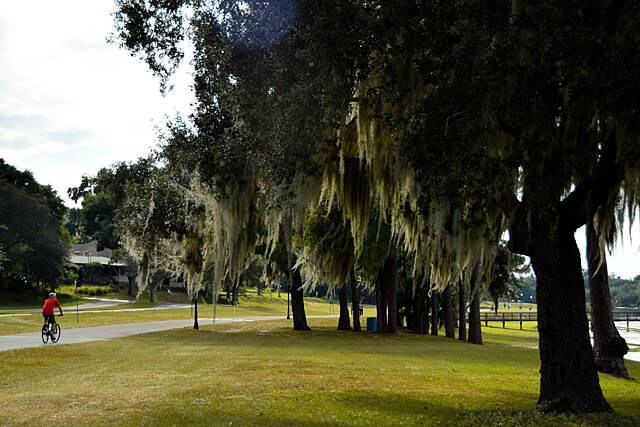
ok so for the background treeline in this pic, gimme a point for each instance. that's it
(34, 244)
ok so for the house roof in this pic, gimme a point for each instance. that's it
(87, 253)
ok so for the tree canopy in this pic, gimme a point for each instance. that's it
(33, 242)
(453, 122)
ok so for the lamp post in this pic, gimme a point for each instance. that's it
(288, 291)
(521, 295)
(195, 318)
(75, 286)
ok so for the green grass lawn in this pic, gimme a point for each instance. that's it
(266, 374)
(11, 301)
(252, 306)
(514, 307)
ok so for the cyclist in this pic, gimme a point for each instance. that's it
(47, 310)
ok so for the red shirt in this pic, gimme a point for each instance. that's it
(49, 305)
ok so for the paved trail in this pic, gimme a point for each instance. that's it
(95, 303)
(107, 332)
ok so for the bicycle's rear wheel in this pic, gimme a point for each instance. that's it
(55, 333)
(45, 334)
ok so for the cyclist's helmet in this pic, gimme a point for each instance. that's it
(52, 295)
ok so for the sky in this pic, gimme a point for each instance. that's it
(71, 104)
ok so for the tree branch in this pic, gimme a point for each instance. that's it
(591, 193)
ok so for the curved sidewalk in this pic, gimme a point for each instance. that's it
(107, 332)
(95, 303)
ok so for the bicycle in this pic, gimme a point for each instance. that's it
(51, 332)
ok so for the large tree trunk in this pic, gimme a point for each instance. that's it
(435, 305)
(391, 275)
(427, 308)
(462, 310)
(132, 292)
(381, 302)
(449, 323)
(234, 295)
(421, 296)
(475, 327)
(568, 376)
(297, 303)
(343, 323)
(355, 302)
(152, 286)
(609, 347)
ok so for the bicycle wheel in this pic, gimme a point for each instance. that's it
(45, 334)
(55, 333)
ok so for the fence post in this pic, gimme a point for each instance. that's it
(486, 320)
(503, 320)
(627, 321)
(520, 321)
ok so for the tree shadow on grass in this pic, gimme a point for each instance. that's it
(365, 408)
(257, 335)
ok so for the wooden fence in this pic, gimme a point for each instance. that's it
(509, 316)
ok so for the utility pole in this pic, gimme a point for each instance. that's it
(75, 286)
(195, 319)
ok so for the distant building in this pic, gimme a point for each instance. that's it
(87, 253)
(86, 257)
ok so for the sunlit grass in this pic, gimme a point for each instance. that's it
(252, 306)
(514, 307)
(266, 374)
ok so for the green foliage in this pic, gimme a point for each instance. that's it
(102, 195)
(504, 283)
(73, 224)
(33, 241)
(70, 275)
(328, 251)
(94, 290)
(453, 121)
(3, 257)
(625, 293)
(374, 249)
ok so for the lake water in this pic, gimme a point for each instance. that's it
(632, 337)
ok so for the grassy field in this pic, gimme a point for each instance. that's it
(514, 307)
(266, 374)
(11, 301)
(252, 306)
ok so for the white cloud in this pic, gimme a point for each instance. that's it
(71, 103)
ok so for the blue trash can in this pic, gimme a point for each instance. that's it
(372, 324)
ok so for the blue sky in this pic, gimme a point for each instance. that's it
(71, 103)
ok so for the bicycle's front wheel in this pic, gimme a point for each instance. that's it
(55, 333)
(45, 334)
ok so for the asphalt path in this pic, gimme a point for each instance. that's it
(101, 333)
(107, 332)
(95, 303)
